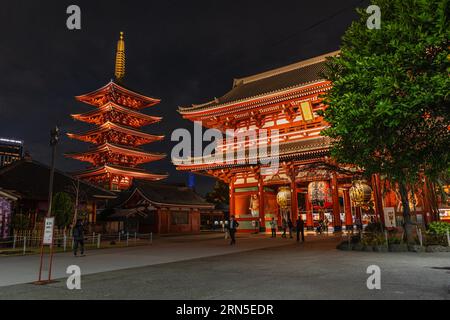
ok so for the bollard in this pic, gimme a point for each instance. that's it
(24, 245)
(135, 238)
(420, 237)
(386, 237)
(128, 237)
(14, 241)
(65, 242)
(93, 237)
(151, 237)
(98, 241)
(73, 244)
(119, 238)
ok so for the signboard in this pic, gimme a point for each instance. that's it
(389, 217)
(48, 230)
(307, 111)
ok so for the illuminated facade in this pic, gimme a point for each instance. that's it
(115, 156)
(10, 151)
(286, 102)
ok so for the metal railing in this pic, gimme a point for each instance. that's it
(31, 244)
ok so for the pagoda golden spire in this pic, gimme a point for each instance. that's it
(120, 59)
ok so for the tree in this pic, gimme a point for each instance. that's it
(63, 210)
(20, 222)
(389, 108)
(219, 194)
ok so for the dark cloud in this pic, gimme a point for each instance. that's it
(180, 51)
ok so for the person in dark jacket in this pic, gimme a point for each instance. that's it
(290, 226)
(232, 226)
(300, 227)
(78, 238)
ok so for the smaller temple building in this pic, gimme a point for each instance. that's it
(157, 207)
(24, 190)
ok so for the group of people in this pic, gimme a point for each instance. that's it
(299, 227)
(288, 225)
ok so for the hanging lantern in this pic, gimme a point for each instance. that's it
(319, 193)
(284, 197)
(360, 193)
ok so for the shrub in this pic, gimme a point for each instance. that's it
(374, 227)
(439, 228)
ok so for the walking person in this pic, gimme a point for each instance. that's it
(232, 229)
(290, 226)
(78, 237)
(284, 226)
(273, 227)
(300, 228)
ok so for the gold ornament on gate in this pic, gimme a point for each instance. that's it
(284, 197)
(360, 193)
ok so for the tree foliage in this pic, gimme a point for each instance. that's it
(389, 105)
(63, 209)
(220, 194)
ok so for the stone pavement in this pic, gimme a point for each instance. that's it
(258, 268)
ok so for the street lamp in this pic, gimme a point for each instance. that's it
(54, 138)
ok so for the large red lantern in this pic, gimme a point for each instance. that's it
(319, 193)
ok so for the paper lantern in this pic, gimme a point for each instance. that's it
(319, 193)
(360, 193)
(284, 197)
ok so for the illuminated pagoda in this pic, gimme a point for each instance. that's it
(115, 156)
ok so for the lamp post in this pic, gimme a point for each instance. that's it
(54, 138)
(49, 224)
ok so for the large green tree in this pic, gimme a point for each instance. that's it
(389, 105)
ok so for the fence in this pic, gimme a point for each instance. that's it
(29, 243)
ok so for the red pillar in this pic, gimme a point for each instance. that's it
(232, 200)
(348, 210)
(337, 223)
(309, 215)
(262, 219)
(294, 204)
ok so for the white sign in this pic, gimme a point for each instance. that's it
(389, 217)
(48, 230)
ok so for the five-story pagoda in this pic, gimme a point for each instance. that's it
(115, 156)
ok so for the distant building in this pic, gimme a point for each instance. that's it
(159, 208)
(10, 151)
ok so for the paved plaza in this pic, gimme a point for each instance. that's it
(206, 267)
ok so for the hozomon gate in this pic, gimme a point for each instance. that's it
(286, 99)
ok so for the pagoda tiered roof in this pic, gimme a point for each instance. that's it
(112, 132)
(117, 118)
(113, 92)
(111, 169)
(112, 111)
(109, 151)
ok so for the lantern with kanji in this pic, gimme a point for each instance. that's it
(284, 197)
(319, 193)
(360, 193)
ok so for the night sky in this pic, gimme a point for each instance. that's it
(182, 52)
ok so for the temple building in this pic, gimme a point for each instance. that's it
(308, 182)
(116, 155)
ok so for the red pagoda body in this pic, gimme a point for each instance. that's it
(115, 156)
